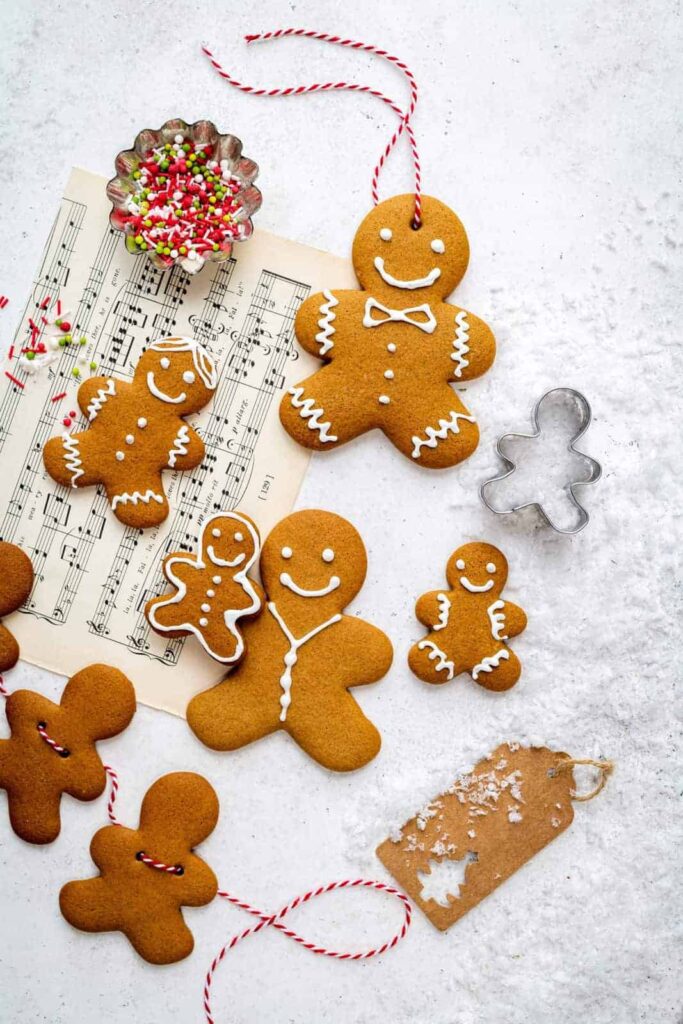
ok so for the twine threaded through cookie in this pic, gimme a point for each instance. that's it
(276, 921)
(404, 124)
(604, 767)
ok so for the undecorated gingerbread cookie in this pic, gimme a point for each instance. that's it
(393, 349)
(147, 874)
(212, 592)
(16, 581)
(98, 702)
(304, 652)
(136, 430)
(470, 624)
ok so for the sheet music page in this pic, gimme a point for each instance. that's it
(93, 575)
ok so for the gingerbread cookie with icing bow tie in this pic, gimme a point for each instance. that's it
(470, 624)
(136, 430)
(393, 350)
(212, 592)
(304, 653)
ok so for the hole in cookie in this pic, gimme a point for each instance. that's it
(140, 854)
(415, 224)
(42, 725)
(180, 870)
(64, 752)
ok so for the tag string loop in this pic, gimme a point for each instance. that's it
(604, 767)
(404, 124)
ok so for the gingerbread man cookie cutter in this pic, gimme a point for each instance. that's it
(594, 468)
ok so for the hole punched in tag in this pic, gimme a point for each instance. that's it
(466, 841)
(544, 469)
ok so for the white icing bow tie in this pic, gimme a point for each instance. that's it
(408, 316)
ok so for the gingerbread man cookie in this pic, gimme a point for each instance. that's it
(393, 349)
(16, 581)
(212, 589)
(136, 430)
(470, 623)
(147, 874)
(304, 653)
(98, 702)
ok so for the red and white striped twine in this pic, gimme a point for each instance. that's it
(276, 921)
(404, 124)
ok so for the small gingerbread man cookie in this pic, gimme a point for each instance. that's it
(304, 653)
(393, 349)
(147, 874)
(136, 430)
(98, 702)
(16, 581)
(470, 624)
(212, 590)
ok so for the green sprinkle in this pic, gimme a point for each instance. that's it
(62, 342)
(136, 175)
(93, 366)
(68, 338)
(75, 372)
(183, 249)
(30, 355)
(216, 246)
(83, 340)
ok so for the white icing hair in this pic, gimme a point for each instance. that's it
(203, 363)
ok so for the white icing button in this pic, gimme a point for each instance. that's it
(385, 234)
(164, 362)
(142, 423)
(328, 555)
(120, 456)
(211, 593)
(286, 552)
(206, 607)
(389, 374)
(460, 564)
(391, 347)
(215, 532)
(203, 622)
(216, 580)
(189, 377)
(239, 537)
(490, 567)
(130, 439)
(384, 399)
(438, 246)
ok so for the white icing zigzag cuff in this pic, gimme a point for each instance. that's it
(325, 323)
(461, 348)
(309, 411)
(433, 436)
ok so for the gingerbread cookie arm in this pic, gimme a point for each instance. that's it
(514, 618)
(365, 654)
(187, 449)
(96, 392)
(474, 346)
(433, 609)
(9, 649)
(316, 325)
(73, 459)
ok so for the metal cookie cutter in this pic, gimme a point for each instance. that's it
(594, 468)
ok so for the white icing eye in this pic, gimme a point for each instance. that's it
(386, 234)
(164, 362)
(328, 555)
(286, 552)
(490, 567)
(460, 564)
(239, 537)
(189, 377)
(215, 532)
(438, 246)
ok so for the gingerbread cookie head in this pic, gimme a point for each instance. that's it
(179, 372)
(147, 874)
(16, 581)
(230, 541)
(391, 257)
(478, 568)
(313, 557)
(52, 747)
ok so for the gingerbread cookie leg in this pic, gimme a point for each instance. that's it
(430, 663)
(498, 670)
(343, 741)
(319, 413)
(433, 428)
(233, 714)
(138, 508)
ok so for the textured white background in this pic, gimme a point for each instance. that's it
(552, 130)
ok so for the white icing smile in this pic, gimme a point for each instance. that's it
(418, 282)
(287, 581)
(223, 561)
(473, 587)
(158, 393)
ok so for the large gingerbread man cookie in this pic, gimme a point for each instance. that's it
(98, 702)
(16, 581)
(393, 349)
(212, 591)
(303, 653)
(470, 624)
(136, 430)
(147, 874)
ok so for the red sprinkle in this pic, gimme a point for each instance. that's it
(65, 326)
(3, 301)
(58, 398)
(14, 379)
(46, 302)
(66, 421)
(11, 353)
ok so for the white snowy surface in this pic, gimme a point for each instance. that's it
(554, 131)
